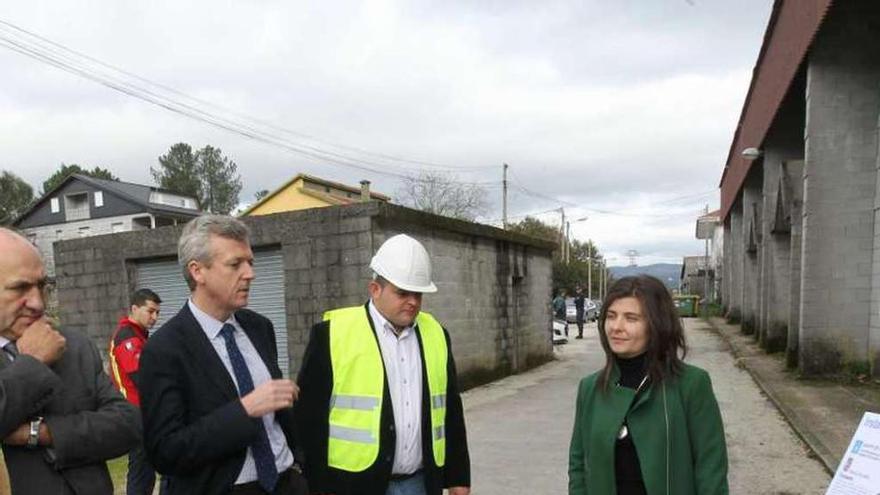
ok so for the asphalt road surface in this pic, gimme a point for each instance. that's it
(519, 428)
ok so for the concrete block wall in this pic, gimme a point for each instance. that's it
(493, 296)
(326, 255)
(795, 171)
(751, 284)
(784, 142)
(736, 248)
(726, 257)
(840, 282)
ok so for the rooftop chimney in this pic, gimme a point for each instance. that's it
(365, 191)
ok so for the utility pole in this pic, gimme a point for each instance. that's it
(706, 266)
(604, 281)
(589, 269)
(504, 200)
(562, 234)
(568, 242)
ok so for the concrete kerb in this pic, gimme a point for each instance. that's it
(801, 429)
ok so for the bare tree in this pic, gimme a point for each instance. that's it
(443, 194)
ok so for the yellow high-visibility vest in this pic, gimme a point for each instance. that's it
(358, 386)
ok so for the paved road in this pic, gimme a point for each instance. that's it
(519, 428)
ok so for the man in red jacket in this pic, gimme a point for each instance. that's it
(125, 354)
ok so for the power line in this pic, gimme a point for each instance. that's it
(529, 214)
(57, 55)
(65, 59)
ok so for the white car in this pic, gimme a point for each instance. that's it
(559, 336)
(591, 311)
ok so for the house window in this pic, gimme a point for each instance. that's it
(99, 199)
(76, 207)
(56, 205)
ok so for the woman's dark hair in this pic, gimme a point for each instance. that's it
(666, 344)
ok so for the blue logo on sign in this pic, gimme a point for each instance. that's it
(857, 447)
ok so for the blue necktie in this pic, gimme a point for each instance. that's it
(267, 473)
(11, 350)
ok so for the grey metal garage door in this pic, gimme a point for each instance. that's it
(266, 297)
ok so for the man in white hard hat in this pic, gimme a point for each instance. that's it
(379, 411)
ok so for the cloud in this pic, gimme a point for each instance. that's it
(610, 106)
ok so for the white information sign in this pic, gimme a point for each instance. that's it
(859, 470)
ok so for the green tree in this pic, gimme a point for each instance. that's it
(262, 193)
(65, 170)
(178, 172)
(16, 196)
(533, 227)
(204, 174)
(576, 272)
(221, 183)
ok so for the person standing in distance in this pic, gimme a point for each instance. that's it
(126, 346)
(579, 302)
(61, 418)
(380, 411)
(217, 412)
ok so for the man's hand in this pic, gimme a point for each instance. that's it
(269, 397)
(459, 490)
(42, 342)
(19, 436)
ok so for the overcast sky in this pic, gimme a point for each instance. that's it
(621, 111)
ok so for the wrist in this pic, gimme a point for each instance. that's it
(45, 435)
(34, 428)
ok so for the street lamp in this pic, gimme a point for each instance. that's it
(752, 153)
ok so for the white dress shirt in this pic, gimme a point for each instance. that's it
(3, 342)
(403, 367)
(259, 374)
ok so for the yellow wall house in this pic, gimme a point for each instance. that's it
(306, 191)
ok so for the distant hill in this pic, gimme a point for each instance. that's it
(667, 272)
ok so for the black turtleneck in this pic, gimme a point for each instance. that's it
(632, 370)
(627, 469)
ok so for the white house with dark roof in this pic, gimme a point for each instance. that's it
(83, 206)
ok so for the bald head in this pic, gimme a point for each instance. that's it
(10, 239)
(22, 284)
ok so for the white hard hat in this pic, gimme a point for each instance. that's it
(404, 262)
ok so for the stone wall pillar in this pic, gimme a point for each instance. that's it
(752, 256)
(840, 284)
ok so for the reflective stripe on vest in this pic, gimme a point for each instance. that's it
(434, 351)
(358, 387)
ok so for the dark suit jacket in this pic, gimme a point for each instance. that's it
(195, 428)
(89, 420)
(312, 412)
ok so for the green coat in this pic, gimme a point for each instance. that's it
(681, 451)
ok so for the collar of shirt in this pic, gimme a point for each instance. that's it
(3, 342)
(133, 324)
(382, 323)
(210, 325)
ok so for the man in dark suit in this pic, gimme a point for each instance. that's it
(60, 417)
(217, 415)
(380, 412)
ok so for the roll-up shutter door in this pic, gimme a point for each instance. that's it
(266, 296)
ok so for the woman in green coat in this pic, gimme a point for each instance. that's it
(647, 423)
